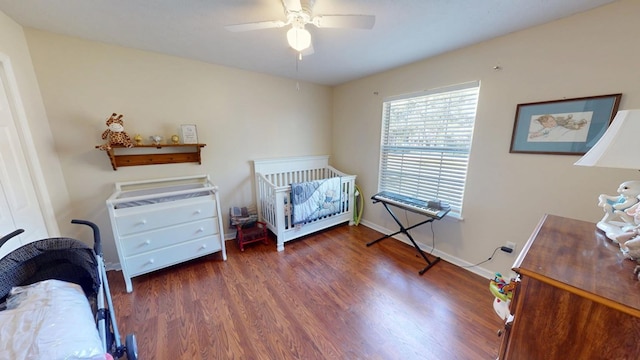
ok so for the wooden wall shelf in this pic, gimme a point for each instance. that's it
(153, 158)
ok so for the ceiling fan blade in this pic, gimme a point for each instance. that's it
(291, 5)
(344, 21)
(255, 26)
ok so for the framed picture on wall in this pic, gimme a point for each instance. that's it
(565, 127)
(189, 134)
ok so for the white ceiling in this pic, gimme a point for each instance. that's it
(405, 31)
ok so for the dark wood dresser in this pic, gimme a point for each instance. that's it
(577, 297)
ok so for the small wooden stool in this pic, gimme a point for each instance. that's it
(254, 233)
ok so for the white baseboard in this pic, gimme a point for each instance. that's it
(444, 256)
(478, 270)
(108, 266)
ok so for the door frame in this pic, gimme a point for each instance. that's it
(28, 145)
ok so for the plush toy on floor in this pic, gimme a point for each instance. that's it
(115, 134)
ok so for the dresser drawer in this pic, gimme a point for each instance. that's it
(157, 259)
(174, 235)
(150, 217)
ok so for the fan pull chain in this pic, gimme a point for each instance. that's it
(298, 59)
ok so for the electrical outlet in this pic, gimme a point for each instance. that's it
(511, 245)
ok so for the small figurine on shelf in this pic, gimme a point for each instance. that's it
(175, 139)
(138, 139)
(156, 139)
(115, 134)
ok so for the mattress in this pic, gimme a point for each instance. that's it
(51, 319)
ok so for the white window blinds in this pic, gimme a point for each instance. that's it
(426, 140)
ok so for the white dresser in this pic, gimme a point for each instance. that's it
(163, 222)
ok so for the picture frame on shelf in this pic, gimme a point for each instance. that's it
(562, 127)
(189, 134)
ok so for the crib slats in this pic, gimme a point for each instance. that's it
(298, 176)
(273, 179)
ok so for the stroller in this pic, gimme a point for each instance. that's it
(71, 261)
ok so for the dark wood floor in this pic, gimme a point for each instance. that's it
(327, 296)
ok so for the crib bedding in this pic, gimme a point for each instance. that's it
(52, 320)
(316, 199)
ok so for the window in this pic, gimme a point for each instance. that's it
(426, 140)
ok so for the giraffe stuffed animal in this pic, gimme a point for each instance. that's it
(115, 134)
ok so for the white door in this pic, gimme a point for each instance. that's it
(19, 207)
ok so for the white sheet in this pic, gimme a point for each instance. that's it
(49, 320)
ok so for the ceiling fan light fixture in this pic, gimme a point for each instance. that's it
(299, 38)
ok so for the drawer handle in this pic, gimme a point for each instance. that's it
(142, 222)
(198, 212)
(150, 262)
(204, 246)
(147, 242)
(200, 230)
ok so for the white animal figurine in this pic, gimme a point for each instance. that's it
(631, 216)
(630, 243)
(156, 139)
(630, 246)
(615, 206)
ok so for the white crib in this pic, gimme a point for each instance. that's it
(273, 179)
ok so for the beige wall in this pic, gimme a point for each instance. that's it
(239, 115)
(593, 53)
(37, 140)
(243, 115)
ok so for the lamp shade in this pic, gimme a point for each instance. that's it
(299, 38)
(618, 147)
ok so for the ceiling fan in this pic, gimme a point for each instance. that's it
(299, 13)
